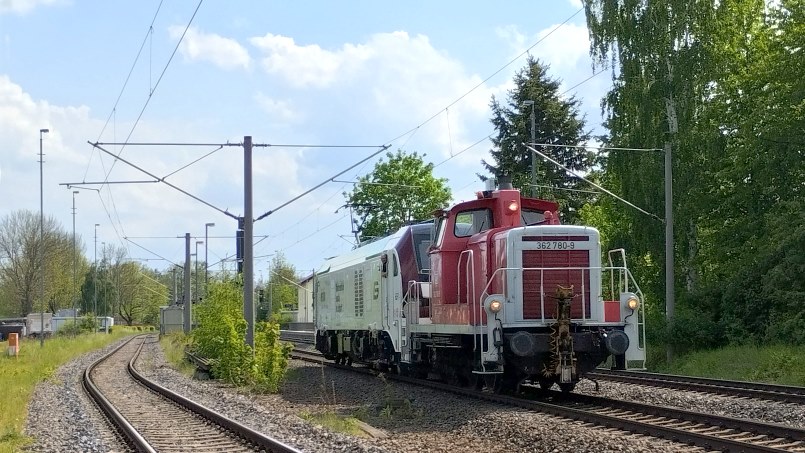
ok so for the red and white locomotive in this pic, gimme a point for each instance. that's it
(493, 291)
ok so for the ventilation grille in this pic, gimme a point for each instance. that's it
(358, 293)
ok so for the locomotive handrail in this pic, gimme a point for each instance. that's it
(621, 280)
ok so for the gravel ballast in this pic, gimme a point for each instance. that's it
(406, 418)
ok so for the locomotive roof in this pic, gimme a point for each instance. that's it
(370, 249)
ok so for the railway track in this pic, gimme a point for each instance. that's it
(773, 392)
(297, 336)
(784, 393)
(708, 431)
(152, 418)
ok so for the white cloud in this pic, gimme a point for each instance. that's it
(277, 109)
(22, 7)
(226, 53)
(392, 78)
(565, 48)
(308, 65)
(575, 3)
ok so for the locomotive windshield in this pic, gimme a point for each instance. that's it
(472, 222)
(531, 216)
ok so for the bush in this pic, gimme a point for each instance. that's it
(70, 330)
(690, 330)
(220, 337)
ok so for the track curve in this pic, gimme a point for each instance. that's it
(155, 419)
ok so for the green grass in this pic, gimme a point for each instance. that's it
(173, 345)
(336, 423)
(19, 375)
(781, 364)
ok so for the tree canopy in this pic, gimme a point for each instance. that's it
(27, 257)
(398, 191)
(557, 122)
(719, 83)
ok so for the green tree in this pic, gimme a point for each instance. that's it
(27, 257)
(717, 83)
(139, 293)
(556, 121)
(281, 291)
(398, 191)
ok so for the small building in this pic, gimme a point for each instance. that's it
(171, 319)
(39, 324)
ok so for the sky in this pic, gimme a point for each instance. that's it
(414, 75)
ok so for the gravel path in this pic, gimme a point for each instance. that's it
(62, 418)
(406, 418)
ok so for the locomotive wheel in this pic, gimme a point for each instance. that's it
(473, 381)
(545, 384)
(567, 387)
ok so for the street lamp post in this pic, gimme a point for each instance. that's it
(206, 258)
(75, 278)
(195, 296)
(95, 278)
(42, 245)
(533, 141)
(105, 276)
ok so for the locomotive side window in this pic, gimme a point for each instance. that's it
(531, 216)
(440, 223)
(472, 222)
(421, 245)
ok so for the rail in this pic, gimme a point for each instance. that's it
(135, 439)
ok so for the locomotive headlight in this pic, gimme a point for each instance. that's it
(632, 303)
(494, 303)
(495, 306)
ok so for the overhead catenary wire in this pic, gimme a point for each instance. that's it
(578, 175)
(223, 211)
(608, 148)
(411, 132)
(126, 82)
(120, 232)
(150, 251)
(482, 82)
(268, 213)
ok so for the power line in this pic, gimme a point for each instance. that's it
(611, 148)
(591, 183)
(463, 150)
(268, 213)
(481, 83)
(126, 82)
(142, 111)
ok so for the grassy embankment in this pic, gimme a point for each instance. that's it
(19, 375)
(780, 364)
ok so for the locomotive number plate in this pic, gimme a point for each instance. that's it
(555, 245)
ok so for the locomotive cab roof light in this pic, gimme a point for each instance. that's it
(512, 207)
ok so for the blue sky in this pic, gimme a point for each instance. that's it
(301, 73)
